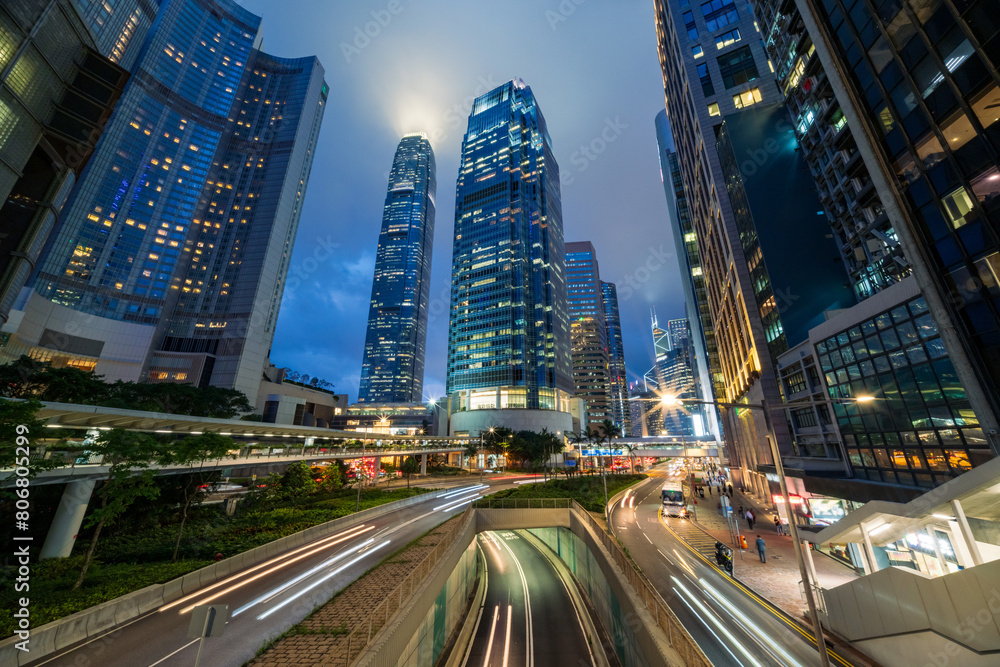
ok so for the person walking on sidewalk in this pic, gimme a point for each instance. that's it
(750, 519)
(742, 513)
(760, 549)
(778, 528)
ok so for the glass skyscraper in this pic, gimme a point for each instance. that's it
(170, 261)
(393, 366)
(508, 337)
(621, 413)
(588, 329)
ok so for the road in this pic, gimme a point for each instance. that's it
(266, 599)
(527, 616)
(732, 625)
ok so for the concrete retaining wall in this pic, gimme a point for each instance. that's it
(641, 643)
(91, 622)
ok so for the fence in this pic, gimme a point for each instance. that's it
(396, 598)
(524, 504)
(665, 619)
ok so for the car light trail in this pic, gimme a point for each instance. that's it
(493, 629)
(506, 641)
(292, 582)
(319, 581)
(354, 532)
(710, 616)
(747, 624)
(461, 500)
(464, 489)
(529, 658)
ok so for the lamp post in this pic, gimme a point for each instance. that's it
(780, 470)
(482, 435)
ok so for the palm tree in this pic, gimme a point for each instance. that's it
(630, 447)
(611, 431)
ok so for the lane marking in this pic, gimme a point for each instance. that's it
(315, 546)
(493, 629)
(712, 617)
(747, 624)
(319, 581)
(774, 612)
(506, 641)
(529, 658)
(709, 628)
(174, 653)
(291, 582)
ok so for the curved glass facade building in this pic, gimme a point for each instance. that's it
(508, 336)
(171, 254)
(393, 367)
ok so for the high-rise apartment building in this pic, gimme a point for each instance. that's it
(621, 414)
(588, 330)
(705, 355)
(893, 105)
(61, 75)
(508, 336)
(713, 64)
(171, 255)
(393, 367)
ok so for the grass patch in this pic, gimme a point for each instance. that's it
(137, 553)
(588, 491)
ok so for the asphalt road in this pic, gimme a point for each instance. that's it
(270, 597)
(732, 625)
(527, 616)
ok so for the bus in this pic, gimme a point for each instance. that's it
(672, 497)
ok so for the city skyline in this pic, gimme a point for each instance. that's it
(601, 139)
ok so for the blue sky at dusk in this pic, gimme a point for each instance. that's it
(593, 68)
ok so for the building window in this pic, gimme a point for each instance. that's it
(706, 80)
(713, 109)
(689, 25)
(747, 99)
(727, 38)
(957, 206)
(719, 13)
(737, 67)
(697, 51)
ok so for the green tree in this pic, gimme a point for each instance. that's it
(18, 429)
(331, 479)
(127, 455)
(471, 449)
(609, 431)
(22, 378)
(192, 451)
(409, 468)
(297, 481)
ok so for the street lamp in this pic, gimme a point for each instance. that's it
(482, 465)
(780, 470)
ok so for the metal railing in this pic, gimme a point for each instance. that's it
(395, 599)
(523, 504)
(677, 636)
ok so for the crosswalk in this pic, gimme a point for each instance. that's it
(698, 539)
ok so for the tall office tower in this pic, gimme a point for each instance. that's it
(713, 63)
(679, 334)
(393, 367)
(119, 26)
(661, 345)
(508, 335)
(621, 414)
(898, 100)
(171, 257)
(705, 364)
(678, 380)
(588, 330)
(57, 90)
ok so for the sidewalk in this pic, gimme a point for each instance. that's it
(778, 580)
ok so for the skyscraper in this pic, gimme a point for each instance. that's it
(62, 74)
(680, 334)
(393, 367)
(621, 412)
(713, 63)
(903, 97)
(588, 329)
(508, 335)
(661, 346)
(170, 261)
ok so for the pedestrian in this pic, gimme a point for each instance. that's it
(742, 512)
(778, 528)
(750, 519)
(760, 549)
(730, 490)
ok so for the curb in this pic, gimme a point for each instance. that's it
(89, 623)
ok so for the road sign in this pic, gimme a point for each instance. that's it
(571, 462)
(207, 620)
